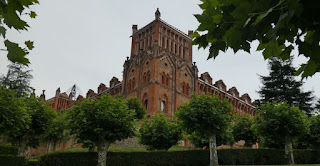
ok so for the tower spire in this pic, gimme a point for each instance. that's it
(158, 14)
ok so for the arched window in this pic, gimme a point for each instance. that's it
(167, 80)
(163, 104)
(148, 76)
(133, 83)
(163, 42)
(163, 78)
(145, 101)
(129, 85)
(187, 89)
(144, 78)
(183, 88)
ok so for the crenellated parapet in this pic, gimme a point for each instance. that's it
(240, 105)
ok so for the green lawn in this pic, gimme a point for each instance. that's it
(125, 149)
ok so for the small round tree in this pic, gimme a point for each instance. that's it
(57, 131)
(135, 104)
(102, 121)
(23, 120)
(315, 131)
(207, 116)
(160, 132)
(243, 129)
(282, 122)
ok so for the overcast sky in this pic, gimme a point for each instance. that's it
(85, 42)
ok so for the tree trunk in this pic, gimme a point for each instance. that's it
(49, 147)
(103, 147)
(54, 147)
(213, 149)
(288, 149)
(22, 145)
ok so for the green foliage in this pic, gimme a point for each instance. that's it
(14, 116)
(135, 104)
(57, 130)
(18, 79)
(107, 118)
(315, 131)
(11, 12)
(278, 25)
(160, 133)
(281, 86)
(277, 120)
(180, 158)
(25, 119)
(12, 161)
(243, 129)
(8, 150)
(205, 114)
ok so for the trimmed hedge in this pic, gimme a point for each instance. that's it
(8, 150)
(12, 161)
(179, 158)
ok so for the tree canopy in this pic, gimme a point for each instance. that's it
(102, 121)
(283, 123)
(281, 86)
(278, 25)
(207, 116)
(135, 104)
(18, 78)
(243, 129)
(159, 132)
(11, 12)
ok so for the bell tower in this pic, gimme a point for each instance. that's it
(160, 71)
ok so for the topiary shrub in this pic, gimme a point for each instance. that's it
(12, 161)
(180, 158)
(8, 150)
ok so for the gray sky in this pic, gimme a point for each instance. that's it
(86, 42)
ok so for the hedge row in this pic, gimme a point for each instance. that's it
(12, 161)
(8, 150)
(177, 158)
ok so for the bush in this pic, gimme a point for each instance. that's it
(8, 150)
(179, 158)
(12, 161)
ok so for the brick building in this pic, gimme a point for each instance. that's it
(160, 72)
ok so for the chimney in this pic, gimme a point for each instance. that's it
(134, 29)
(43, 96)
(190, 32)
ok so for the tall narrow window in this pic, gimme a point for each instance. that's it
(163, 106)
(163, 78)
(148, 76)
(163, 42)
(129, 85)
(145, 101)
(188, 90)
(167, 80)
(133, 83)
(146, 104)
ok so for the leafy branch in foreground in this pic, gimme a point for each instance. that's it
(10, 17)
(278, 25)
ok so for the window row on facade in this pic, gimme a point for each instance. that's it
(165, 79)
(173, 47)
